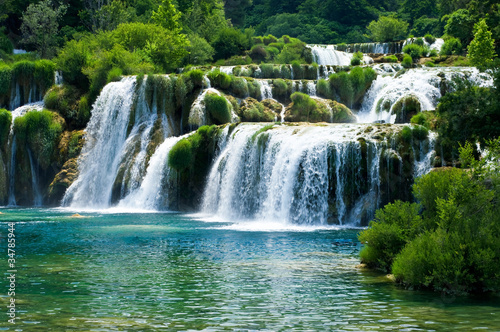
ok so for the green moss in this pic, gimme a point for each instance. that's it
(218, 108)
(64, 100)
(304, 108)
(220, 79)
(280, 88)
(407, 61)
(196, 76)
(44, 73)
(5, 122)
(356, 59)
(23, 71)
(391, 58)
(261, 130)
(324, 88)
(40, 131)
(180, 156)
(427, 119)
(253, 111)
(405, 108)
(239, 87)
(5, 79)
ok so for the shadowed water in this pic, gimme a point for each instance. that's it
(172, 272)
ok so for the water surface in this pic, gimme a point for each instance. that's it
(174, 272)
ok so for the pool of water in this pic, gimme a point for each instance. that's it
(174, 272)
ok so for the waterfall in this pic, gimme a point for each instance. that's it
(328, 55)
(105, 144)
(309, 175)
(197, 113)
(311, 88)
(37, 196)
(422, 83)
(20, 111)
(266, 92)
(153, 192)
(423, 159)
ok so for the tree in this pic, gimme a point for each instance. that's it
(236, 10)
(167, 16)
(482, 47)
(40, 26)
(460, 25)
(105, 14)
(388, 29)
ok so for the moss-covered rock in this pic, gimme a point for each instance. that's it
(340, 113)
(405, 108)
(62, 181)
(252, 110)
(218, 108)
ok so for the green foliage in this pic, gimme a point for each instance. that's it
(269, 39)
(256, 112)
(387, 29)
(391, 58)
(356, 59)
(392, 228)
(5, 122)
(230, 42)
(419, 42)
(114, 75)
(351, 87)
(429, 38)
(5, 44)
(304, 108)
(5, 78)
(180, 156)
(40, 27)
(460, 25)
(294, 51)
(451, 46)
(218, 108)
(199, 50)
(324, 88)
(413, 50)
(407, 61)
(426, 119)
(482, 47)
(239, 87)
(39, 131)
(280, 88)
(196, 76)
(167, 16)
(220, 79)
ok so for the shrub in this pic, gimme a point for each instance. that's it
(280, 88)
(419, 42)
(392, 228)
(44, 73)
(5, 44)
(269, 39)
(258, 53)
(218, 108)
(324, 88)
(256, 113)
(433, 53)
(5, 79)
(429, 38)
(387, 29)
(414, 50)
(257, 40)
(239, 87)
(451, 46)
(267, 70)
(180, 156)
(356, 59)
(407, 61)
(40, 131)
(391, 58)
(5, 122)
(220, 79)
(114, 75)
(196, 76)
(23, 71)
(306, 109)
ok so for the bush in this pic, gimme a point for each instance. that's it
(387, 29)
(258, 53)
(306, 109)
(5, 44)
(239, 87)
(218, 108)
(352, 86)
(324, 88)
(413, 50)
(180, 156)
(452, 46)
(220, 79)
(5, 79)
(433, 53)
(196, 76)
(392, 228)
(356, 59)
(269, 39)
(430, 38)
(280, 88)
(419, 42)
(40, 131)
(391, 58)
(5, 122)
(114, 75)
(256, 113)
(229, 42)
(407, 61)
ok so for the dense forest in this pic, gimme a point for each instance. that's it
(95, 42)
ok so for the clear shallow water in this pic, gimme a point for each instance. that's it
(172, 272)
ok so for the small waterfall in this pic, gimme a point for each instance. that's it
(309, 175)
(311, 88)
(282, 113)
(425, 155)
(104, 147)
(37, 196)
(422, 83)
(153, 193)
(328, 55)
(197, 113)
(20, 111)
(227, 69)
(266, 91)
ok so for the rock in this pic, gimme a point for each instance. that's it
(361, 266)
(251, 110)
(405, 108)
(63, 180)
(341, 113)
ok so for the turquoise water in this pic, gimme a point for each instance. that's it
(172, 272)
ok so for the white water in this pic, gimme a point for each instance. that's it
(328, 55)
(423, 83)
(105, 144)
(288, 178)
(37, 196)
(153, 190)
(311, 88)
(266, 92)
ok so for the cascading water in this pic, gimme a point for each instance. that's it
(105, 144)
(422, 83)
(328, 55)
(266, 92)
(301, 175)
(37, 196)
